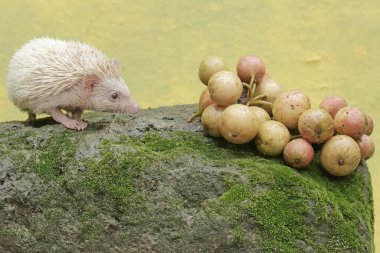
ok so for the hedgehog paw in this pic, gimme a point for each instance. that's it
(72, 124)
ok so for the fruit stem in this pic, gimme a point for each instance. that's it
(246, 85)
(252, 80)
(251, 89)
(193, 116)
(260, 102)
(259, 97)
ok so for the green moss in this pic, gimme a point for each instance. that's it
(273, 207)
(56, 156)
(286, 205)
(15, 140)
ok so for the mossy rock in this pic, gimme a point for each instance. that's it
(154, 183)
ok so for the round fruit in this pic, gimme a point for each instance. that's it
(260, 113)
(249, 66)
(225, 88)
(238, 124)
(316, 125)
(210, 119)
(272, 138)
(332, 104)
(270, 89)
(369, 125)
(340, 155)
(298, 153)
(209, 66)
(350, 121)
(367, 147)
(288, 107)
(204, 100)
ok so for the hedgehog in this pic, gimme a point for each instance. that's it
(49, 75)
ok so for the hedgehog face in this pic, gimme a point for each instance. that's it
(112, 95)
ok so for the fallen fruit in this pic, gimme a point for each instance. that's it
(250, 68)
(209, 66)
(225, 88)
(272, 138)
(270, 89)
(367, 147)
(316, 125)
(210, 119)
(298, 153)
(369, 125)
(288, 107)
(340, 155)
(238, 124)
(332, 104)
(260, 113)
(350, 121)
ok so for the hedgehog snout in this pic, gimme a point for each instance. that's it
(131, 106)
(135, 108)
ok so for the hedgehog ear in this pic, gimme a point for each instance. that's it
(90, 81)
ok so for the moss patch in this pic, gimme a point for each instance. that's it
(176, 191)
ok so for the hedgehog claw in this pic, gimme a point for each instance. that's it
(82, 125)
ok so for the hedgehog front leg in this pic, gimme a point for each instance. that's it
(60, 117)
(77, 115)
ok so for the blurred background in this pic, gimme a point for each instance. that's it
(320, 47)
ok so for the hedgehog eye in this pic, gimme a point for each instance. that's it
(114, 95)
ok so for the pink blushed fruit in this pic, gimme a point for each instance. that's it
(298, 153)
(340, 155)
(249, 66)
(332, 104)
(288, 107)
(369, 129)
(350, 121)
(367, 147)
(316, 125)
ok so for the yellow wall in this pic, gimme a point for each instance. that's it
(321, 47)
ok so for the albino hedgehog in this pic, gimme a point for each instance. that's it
(47, 75)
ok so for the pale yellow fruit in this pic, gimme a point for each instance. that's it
(288, 107)
(260, 113)
(204, 100)
(210, 119)
(270, 89)
(225, 88)
(209, 66)
(238, 124)
(340, 155)
(272, 138)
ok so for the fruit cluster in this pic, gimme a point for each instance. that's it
(249, 106)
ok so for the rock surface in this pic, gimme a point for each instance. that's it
(154, 183)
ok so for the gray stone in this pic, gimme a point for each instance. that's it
(154, 183)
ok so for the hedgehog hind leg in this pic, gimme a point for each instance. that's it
(31, 117)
